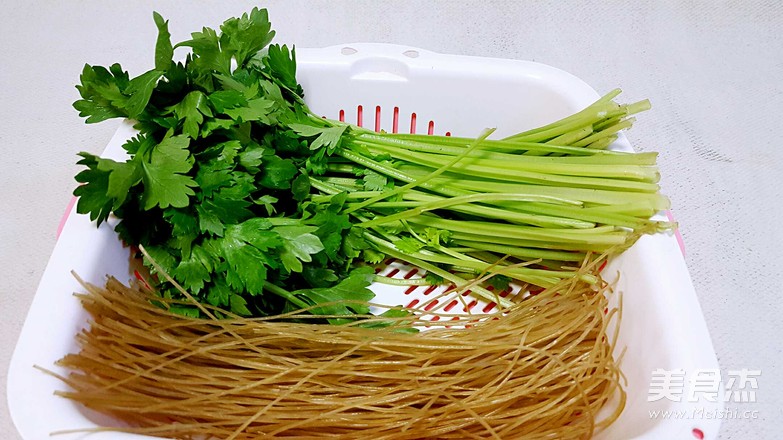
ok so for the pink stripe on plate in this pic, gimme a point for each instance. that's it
(65, 216)
(677, 235)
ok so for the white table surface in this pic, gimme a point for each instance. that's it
(714, 73)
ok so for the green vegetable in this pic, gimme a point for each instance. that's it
(253, 203)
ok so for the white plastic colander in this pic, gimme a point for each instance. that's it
(400, 89)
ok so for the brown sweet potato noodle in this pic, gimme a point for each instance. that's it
(541, 370)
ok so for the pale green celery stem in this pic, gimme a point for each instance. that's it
(356, 195)
(566, 169)
(615, 158)
(638, 107)
(491, 197)
(525, 274)
(601, 102)
(557, 180)
(611, 119)
(343, 168)
(586, 195)
(640, 209)
(607, 132)
(401, 281)
(456, 254)
(394, 173)
(461, 204)
(466, 263)
(343, 181)
(389, 249)
(423, 180)
(530, 253)
(602, 144)
(452, 252)
(595, 215)
(522, 243)
(625, 111)
(382, 205)
(567, 138)
(279, 291)
(571, 137)
(323, 186)
(587, 119)
(283, 221)
(592, 113)
(455, 145)
(598, 235)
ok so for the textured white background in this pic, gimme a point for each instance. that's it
(714, 72)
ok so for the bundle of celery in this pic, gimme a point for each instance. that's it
(254, 204)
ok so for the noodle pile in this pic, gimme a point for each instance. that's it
(541, 370)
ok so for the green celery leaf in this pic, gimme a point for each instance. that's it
(210, 179)
(123, 177)
(164, 181)
(328, 137)
(373, 181)
(435, 237)
(258, 109)
(92, 194)
(227, 99)
(251, 157)
(175, 82)
(434, 280)
(282, 66)
(272, 91)
(256, 231)
(184, 229)
(267, 202)
(354, 242)
(408, 245)
(220, 210)
(247, 35)
(139, 143)
(245, 248)
(212, 125)
(140, 90)
(208, 55)
(353, 288)
(300, 187)
(278, 173)
(244, 185)
(187, 311)
(330, 230)
(337, 202)
(208, 221)
(372, 256)
(397, 326)
(193, 272)
(316, 164)
(191, 110)
(499, 282)
(219, 294)
(163, 49)
(239, 305)
(102, 92)
(229, 150)
(319, 276)
(247, 270)
(162, 257)
(244, 84)
(299, 244)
